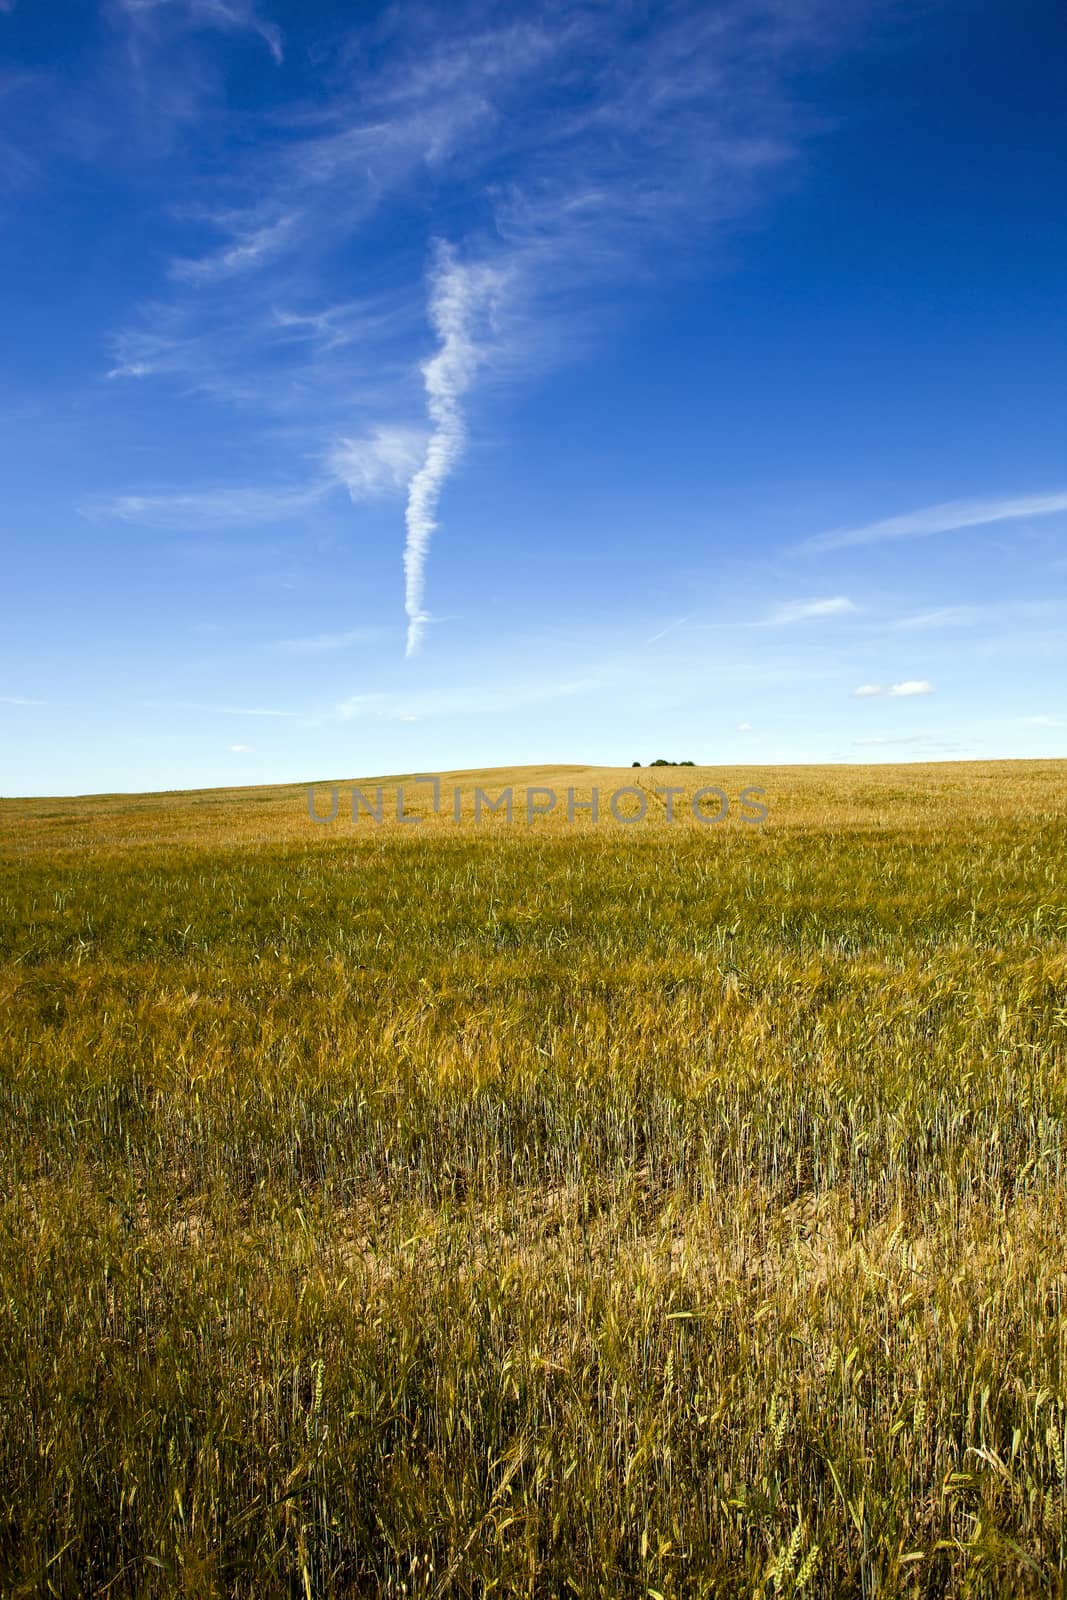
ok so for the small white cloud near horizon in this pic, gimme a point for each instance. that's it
(744, 727)
(947, 517)
(899, 691)
(804, 610)
(242, 749)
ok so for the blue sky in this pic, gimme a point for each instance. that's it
(411, 387)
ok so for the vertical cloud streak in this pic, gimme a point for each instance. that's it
(459, 296)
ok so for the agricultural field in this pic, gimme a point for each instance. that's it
(482, 1208)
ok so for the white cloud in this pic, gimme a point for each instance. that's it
(242, 749)
(249, 247)
(803, 610)
(461, 297)
(911, 686)
(901, 691)
(1041, 721)
(381, 463)
(682, 126)
(947, 517)
(744, 727)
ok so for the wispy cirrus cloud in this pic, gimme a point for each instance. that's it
(670, 628)
(941, 617)
(227, 16)
(216, 711)
(1001, 613)
(381, 463)
(211, 508)
(836, 605)
(948, 517)
(277, 351)
(247, 248)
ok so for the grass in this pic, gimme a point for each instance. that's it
(662, 1210)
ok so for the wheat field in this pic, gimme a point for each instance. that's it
(482, 1208)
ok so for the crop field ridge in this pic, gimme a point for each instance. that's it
(449, 1203)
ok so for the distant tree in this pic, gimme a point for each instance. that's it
(635, 763)
(659, 762)
(687, 763)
